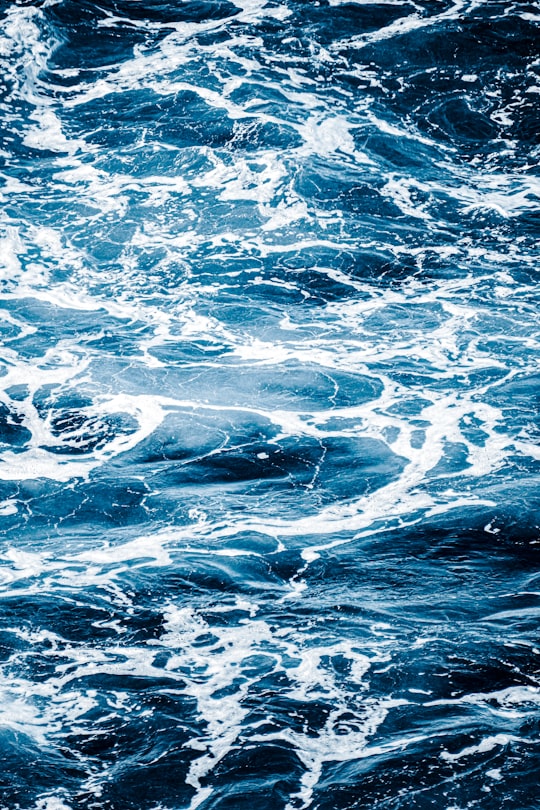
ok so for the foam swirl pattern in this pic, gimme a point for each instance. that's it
(269, 429)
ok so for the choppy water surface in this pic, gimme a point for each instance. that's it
(269, 413)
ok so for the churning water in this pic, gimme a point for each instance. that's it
(269, 430)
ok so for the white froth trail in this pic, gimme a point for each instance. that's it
(185, 300)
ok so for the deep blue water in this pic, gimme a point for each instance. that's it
(269, 454)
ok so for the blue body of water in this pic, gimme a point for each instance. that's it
(269, 453)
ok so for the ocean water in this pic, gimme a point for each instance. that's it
(269, 453)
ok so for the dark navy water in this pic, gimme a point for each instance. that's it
(269, 454)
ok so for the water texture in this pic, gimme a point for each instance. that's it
(269, 452)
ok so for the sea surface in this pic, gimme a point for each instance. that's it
(269, 436)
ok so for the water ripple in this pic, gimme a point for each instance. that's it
(269, 414)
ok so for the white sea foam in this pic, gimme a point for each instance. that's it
(485, 746)
(139, 257)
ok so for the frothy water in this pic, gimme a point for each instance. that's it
(269, 410)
